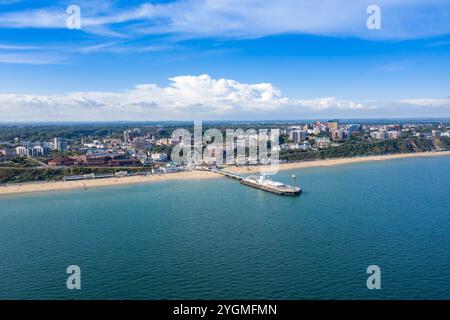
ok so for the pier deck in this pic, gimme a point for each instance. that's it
(265, 185)
(229, 175)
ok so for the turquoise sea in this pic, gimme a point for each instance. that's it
(217, 239)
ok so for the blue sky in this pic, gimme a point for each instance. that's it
(194, 59)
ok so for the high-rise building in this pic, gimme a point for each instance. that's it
(297, 136)
(23, 151)
(354, 127)
(339, 134)
(59, 144)
(37, 151)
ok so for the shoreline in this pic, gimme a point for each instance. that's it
(27, 187)
(21, 188)
(332, 162)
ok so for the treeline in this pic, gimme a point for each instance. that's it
(8, 175)
(42, 132)
(359, 148)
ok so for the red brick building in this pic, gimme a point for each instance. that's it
(61, 161)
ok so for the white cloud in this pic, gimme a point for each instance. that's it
(15, 47)
(186, 97)
(401, 19)
(321, 104)
(40, 18)
(429, 102)
(30, 58)
(203, 97)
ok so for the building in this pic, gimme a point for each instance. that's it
(394, 134)
(48, 145)
(436, 133)
(339, 134)
(61, 161)
(353, 127)
(140, 143)
(297, 136)
(383, 135)
(296, 146)
(7, 154)
(23, 151)
(107, 160)
(320, 127)
(159, 157)
(129, 162)
(305, 146)
(129, 135)
(322, 143)
(170, 169)
(379, 135)
(38, 151)
(333, 124)
(164, 141)
(59, 144)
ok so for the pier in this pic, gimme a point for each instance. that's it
(229, 175)
(262, 183)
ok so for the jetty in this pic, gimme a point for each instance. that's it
(228, 174)
(263, 183)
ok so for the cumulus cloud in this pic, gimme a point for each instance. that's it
(185, 97)
(203, 97)
(321, 104)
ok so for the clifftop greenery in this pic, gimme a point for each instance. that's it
(20, 174)
(366, 148)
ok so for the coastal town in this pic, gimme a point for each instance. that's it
(146, 149)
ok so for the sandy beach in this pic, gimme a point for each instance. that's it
(83, 184)
(332, 162)
(195, 175)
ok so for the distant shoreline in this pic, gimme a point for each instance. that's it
(20, 188)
